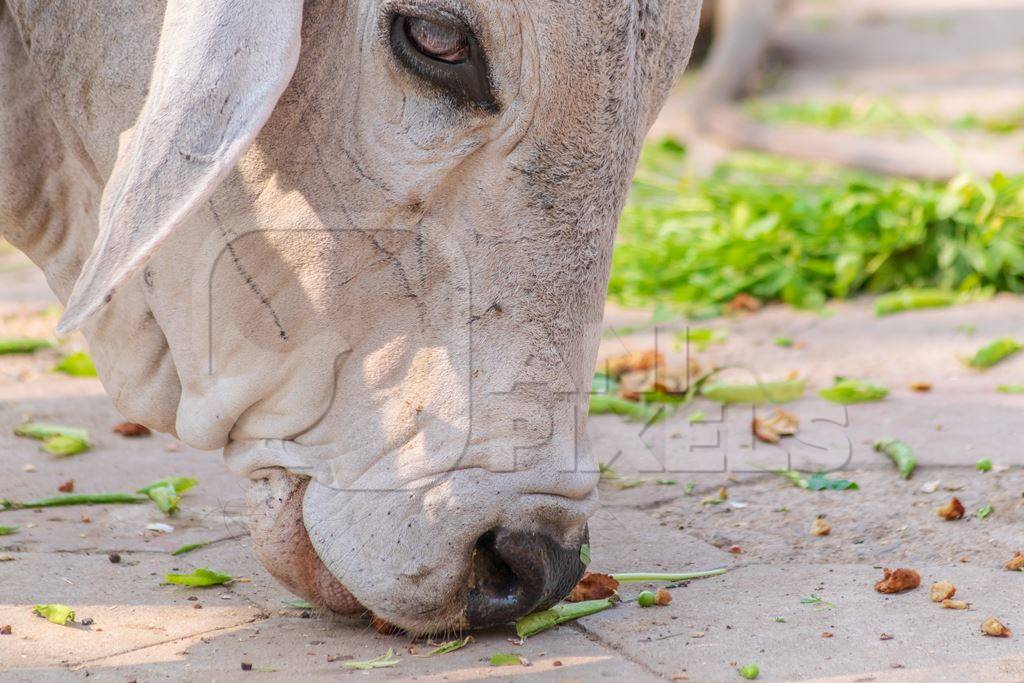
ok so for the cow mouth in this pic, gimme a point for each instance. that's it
(282, 543)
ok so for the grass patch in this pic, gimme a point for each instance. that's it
(788, 231)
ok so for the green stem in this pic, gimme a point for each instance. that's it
(646, 578)
(74, 499)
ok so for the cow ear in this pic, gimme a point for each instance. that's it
(220, 68)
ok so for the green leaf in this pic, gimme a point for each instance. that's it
(77, 365)
(199, 578)
(585, 554)
(189, 547)
(994, 352)
(817, 600)
(180, 484)
(532, 624)
(451, 646)
(43, 431)
(985, 511)
(985, 465)
(604, 404)
(763, 392)
(913, 299)
(165, 497)
(8, 530)
(64, 446)
(847, 391)
(298, 604)
(505, 659)
(819, 482)
(702, 337)
(1010, 388)
(23, 345)
(382, 662)
(900, 454)
(58, 614)
(749, 671)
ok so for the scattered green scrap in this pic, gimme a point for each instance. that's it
(818, 481)
(189, 547)
(1010, 388)
(535, 623)
(666, 482)
(847, 391)
(913, 299)
(199, 578)
(76, 365)
(648, 577)
(779, 620)
(60, 440)
(985, 511)
(299, 604)
(166, 493)
(12, 346)
(382, 662)
(585, 554)
(451, 646)
(900, 454)
(74, 499)
(749, 671)
(645, 599)
(505, 659)
(784, 342)
(702, 337)
(56, 613)
(762, 392)
(8, 530)
(994, 352)
(813, 599)
(984, 465)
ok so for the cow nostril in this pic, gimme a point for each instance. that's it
(516, 572)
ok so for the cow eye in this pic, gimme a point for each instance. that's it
(437, 41)
(444, 54)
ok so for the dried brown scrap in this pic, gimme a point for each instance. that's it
(664, 379)
(955, 604)
(6, 630)
(744, 302)
(820, 527)
(898, 580)
(1017, 562)
(993, 627)
(131, 429)
(633, 362)
(942, 590)
(662, 597)
(921, 386)
(771, 429)
(954, 509)
(67, 487)
(593, 586)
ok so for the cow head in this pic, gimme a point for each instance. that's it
(364, 247)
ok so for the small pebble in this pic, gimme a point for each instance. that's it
(115, 558)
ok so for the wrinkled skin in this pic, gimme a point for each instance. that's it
(386, 307)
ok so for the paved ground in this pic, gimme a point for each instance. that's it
(146, 631)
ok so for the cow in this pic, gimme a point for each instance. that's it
(362, 246)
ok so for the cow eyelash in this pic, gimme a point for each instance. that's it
(446, 55)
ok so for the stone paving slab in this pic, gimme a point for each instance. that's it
(129, 607)
(715, 625)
